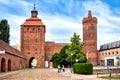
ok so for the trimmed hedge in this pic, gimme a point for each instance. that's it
(83, 68)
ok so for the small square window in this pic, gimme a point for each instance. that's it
(116, 52)
(28, 52)
(112, 52)
(105, 53)
(38, 29)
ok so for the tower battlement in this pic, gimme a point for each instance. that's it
(89, 18)
(90, 37)
(86, 20)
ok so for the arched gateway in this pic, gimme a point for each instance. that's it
(3, 65)
(33, 39)
(32, 62)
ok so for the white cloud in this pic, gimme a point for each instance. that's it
(60, 28)
(6, 2)
(108, 22)
(14, 22)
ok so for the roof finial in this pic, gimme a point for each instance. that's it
(34, 5)
(34, 12)
(89, 14)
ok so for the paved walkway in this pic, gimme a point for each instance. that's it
(79, 76)
(44, 74)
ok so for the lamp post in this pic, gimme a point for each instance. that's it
(0, 33)
(71, 62)
(76, 60)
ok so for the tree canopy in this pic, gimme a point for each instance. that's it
(4, 30)
(75, 50)
(60, 58)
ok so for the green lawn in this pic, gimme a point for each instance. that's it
(115, 77)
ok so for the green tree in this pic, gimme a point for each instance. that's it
(55, 59)
(4, 30)
(76, 50)
(63, 56)
(60, 58)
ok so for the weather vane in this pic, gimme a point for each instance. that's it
(34, 4)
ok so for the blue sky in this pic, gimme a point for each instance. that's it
(64, 17)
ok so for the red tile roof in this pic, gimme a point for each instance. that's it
(9, 49)
(33, 21)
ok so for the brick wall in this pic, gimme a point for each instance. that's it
(15, 62)
(52, 47)
(90, 38)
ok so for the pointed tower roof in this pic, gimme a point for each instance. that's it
(89, 14)
(89, 18)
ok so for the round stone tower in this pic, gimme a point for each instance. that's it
(90, 38)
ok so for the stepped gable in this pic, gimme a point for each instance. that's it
(10, 50)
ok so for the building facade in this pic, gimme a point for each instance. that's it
(109, 54)
(10, 58)
(33, 40)
(90, 38)
(50, 48)
(35, 51)
(33, 44)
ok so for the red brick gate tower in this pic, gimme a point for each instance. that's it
(90, 38)
(33, 39)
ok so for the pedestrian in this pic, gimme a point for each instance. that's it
(63, 68)
(68, 68)
(58, 68)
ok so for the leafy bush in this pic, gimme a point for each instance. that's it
(55, 59)
(60, 58)
(55, 64)
(83, 68)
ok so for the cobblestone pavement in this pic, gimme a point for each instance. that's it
(44, 74)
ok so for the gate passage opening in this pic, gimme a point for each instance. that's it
(32, 63)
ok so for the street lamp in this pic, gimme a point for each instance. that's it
(71, 62)
(76, 60)
(0, 34)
